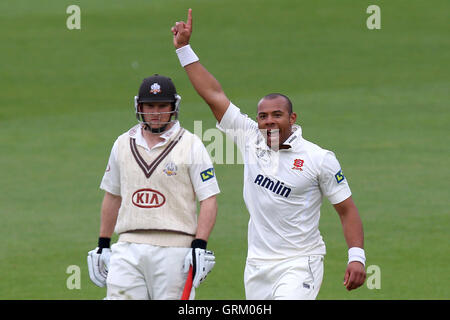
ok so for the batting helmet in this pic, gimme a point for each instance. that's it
(157, 88)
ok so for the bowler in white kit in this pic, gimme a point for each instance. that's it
(285, 180)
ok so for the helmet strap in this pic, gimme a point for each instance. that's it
(156, 130)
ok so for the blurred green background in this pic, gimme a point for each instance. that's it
(378, 98)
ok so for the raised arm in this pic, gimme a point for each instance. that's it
(204, 82)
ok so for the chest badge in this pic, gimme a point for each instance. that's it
(298, 164)
(170, 169)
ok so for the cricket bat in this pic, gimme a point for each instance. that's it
(187, 286)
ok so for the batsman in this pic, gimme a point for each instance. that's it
(156, 172)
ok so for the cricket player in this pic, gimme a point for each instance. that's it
(156, 172)
(285, 179)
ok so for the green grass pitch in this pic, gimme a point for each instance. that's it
(378, 98)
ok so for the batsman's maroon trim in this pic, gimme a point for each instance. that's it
(148, 169)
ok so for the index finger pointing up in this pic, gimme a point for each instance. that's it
(189, 19)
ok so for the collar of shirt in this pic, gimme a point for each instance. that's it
(140, 141)
(294, 138)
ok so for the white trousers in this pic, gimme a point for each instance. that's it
(143, 271)
(296, 278)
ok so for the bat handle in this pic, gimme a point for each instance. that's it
(187, 286)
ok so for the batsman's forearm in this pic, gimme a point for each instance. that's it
(206, 218)
(109, 212)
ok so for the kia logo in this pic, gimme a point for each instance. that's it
(148, 198)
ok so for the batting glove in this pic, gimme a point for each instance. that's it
(202, 261)
(98, 262)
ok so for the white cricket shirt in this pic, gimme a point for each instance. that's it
(283, 190)
(200, 163)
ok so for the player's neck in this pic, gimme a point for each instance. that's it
(151, 138)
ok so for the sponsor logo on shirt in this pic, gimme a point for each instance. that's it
(276, 187)
(207, 174)
(148, 198)
(339, 176)
(298, 164)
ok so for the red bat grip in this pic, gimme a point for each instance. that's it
(187, 286)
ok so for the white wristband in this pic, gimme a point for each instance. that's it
(356, 254)
(186, 55)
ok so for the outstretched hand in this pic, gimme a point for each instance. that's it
(182, 31)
